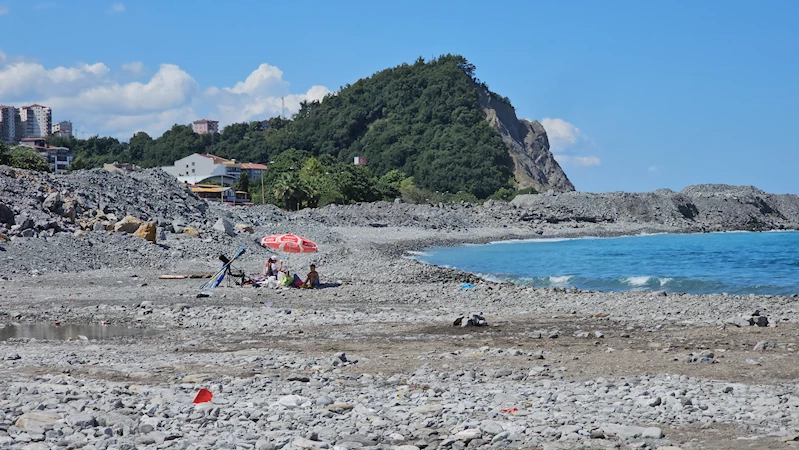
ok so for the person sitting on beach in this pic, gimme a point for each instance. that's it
(273, 267)
(312, 280)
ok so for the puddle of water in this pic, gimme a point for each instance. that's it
(50, 332)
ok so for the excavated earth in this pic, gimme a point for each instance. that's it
(97, 352)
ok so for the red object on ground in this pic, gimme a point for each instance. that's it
(289, 243)
(203, 396)
(509, 411)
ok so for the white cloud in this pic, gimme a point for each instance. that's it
(585, 161)
(116, 8)
(120, 103)
(170, 87)
(3, 10)
(153, 124)
(653, 168)
(265, 80)
(561, 134)
(262, 94)
(135, 67)
(22, 78)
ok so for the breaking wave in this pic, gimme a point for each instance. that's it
(735, 263)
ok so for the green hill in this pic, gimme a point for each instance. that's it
(423, 119)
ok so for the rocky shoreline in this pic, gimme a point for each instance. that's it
(375, 361)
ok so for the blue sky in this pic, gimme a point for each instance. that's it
(635, 95)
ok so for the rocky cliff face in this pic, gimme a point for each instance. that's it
(533, 163)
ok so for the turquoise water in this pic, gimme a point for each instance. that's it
(736, 263)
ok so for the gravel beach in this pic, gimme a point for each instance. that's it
(373, 360)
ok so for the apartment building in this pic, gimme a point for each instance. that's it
(62, 129)
(204, 126)
(8, 124)
(35, 121)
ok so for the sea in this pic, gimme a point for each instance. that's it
(734, 263)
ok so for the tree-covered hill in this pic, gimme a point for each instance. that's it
(422, 119)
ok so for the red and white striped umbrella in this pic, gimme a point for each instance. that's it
(289, 243)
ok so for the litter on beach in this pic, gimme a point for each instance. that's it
(203, 396)
(475, 320)
(183, 277)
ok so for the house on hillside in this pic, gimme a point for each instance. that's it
(205, 126)
(254, 170)
(59, 158)
(198, 168)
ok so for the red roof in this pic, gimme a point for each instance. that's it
(34, 106)
(31, 139)
(217, 159)
(253, 166)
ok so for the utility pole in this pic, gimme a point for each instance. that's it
(282, 107)
(263, 194)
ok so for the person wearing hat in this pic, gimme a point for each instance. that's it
(273, 267)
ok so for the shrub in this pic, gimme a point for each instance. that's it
(27, 158)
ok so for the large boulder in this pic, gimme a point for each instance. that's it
(147, 231)
(52, 202)
(224, 226)
(68, 208)
(6, 215)
(244, 228)
(37, 420)
(128, 224)
(178, 226)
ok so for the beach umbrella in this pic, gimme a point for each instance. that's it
(289, 243)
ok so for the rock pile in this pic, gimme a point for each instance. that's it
(699, 208)
(34, 204)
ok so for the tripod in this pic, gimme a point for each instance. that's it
(239, 278)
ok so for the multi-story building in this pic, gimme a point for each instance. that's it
(35, 121)
(205, 126)
(254, 170)
(8, 123)
(196, 169)
(59, 158)
(62, 129)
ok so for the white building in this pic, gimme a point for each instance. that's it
(35, 120)
(197, 168)
(59, 158)
(8, 124)
(62, 129)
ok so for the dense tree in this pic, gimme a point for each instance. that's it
(4, 156)
(23, 157)
(243, 183)
(137, 147)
